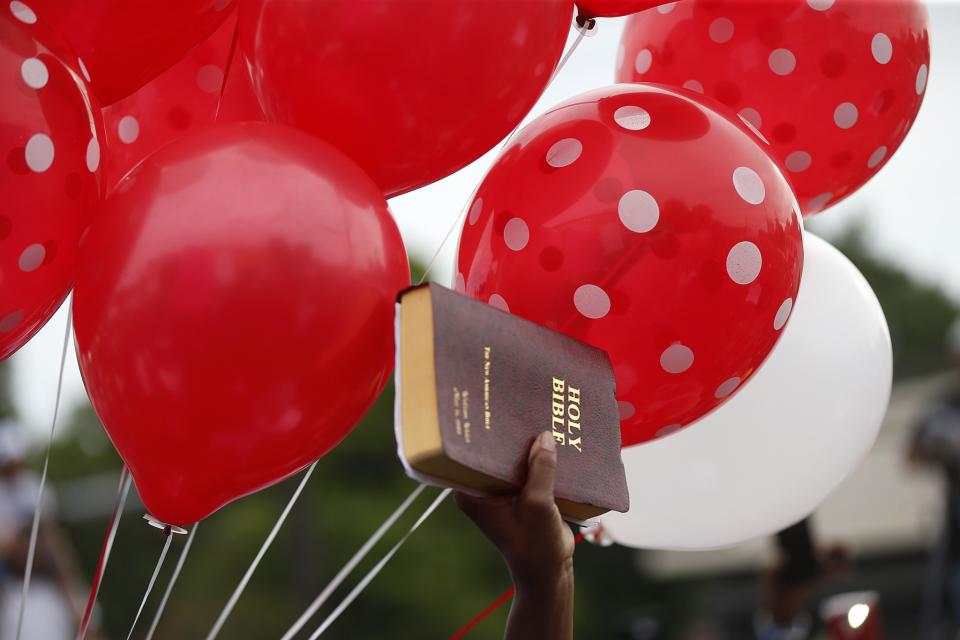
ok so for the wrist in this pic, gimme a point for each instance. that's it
(544, 581)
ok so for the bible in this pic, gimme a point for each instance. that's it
(475, 386)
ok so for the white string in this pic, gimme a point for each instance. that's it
(351, 564)
(122, 492)
(256, 561)
(35, 528)
(153, 580)
(457, 221)
(377, 567)
(173, 581)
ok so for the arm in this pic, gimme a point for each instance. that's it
(536, 545)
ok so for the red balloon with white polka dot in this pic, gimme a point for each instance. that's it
(833, 85)
(185, 97)
(50, 132)
(638, 220)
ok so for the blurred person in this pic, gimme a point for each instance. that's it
(791, 586)
(936, 442)
(537, 546)
(53, 610)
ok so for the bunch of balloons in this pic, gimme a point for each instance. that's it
(224, 220)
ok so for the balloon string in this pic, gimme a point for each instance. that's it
(379, 566)
(351, 564)
(222, 618)
(122, 490)
(496, 604)
(173, 581)
(226, 68)
(457, 221)
(35, 527)
(153, 579)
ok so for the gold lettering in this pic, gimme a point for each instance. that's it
(573, 412)
(574, 442)
(573, 395)
(558, 386)
(560, 437)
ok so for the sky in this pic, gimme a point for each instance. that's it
(910, 208)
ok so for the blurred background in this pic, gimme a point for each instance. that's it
(880, 532)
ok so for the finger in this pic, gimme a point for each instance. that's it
(541, 472)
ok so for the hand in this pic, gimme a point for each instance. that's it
(535, 542)
(537, 546)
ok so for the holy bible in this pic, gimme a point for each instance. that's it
(476, 386)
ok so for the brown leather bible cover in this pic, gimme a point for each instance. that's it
(501, 380)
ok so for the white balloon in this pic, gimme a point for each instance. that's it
(773, 452)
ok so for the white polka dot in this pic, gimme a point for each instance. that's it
(621, 54)
(497, 301)
(643, 61)
(666, 8)
(34, 73)
(820, 5)
(782, 314)
(845, 115)
(876, 157)
(83, 69)
(744, 262)
(693, 85)
(782, 62)
(128, 129)
(798, 161)
(564, 152)
(22, 12)
(751, 116)
(591, 301)
(627, 410)
(819, 202)
(748, 184)
(210, 78)
(721, 30)
(93, 155)
(632, 118)
(726, 387)
(676, 358)
(459, 284)
(475, 210)
(638, 211)
(516, 234)
(921, 79)
(32, 257)
(667, 430)
(881, 48)
(39, 152)
(11, 321)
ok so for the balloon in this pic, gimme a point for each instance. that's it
(183, 98)
(772, 454)
(833, 85)
(50, 137)
(124, 44)
(613, 8)
(411, 95)
(234, 312)
(644, 223)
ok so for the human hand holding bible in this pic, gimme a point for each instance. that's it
(537, 546)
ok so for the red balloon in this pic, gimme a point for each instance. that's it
(613, 8)
(180, 100)
(411, 95)
(642, 222)
(50, 133)
(833, 85)
(124, 44)
(234, 312)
